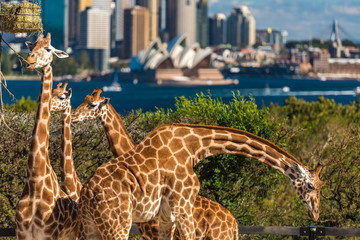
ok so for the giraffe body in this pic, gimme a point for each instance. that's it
(43, 211)
(155, 180)
(212, 221)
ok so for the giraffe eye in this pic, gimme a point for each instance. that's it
(92, 105)
(48, 49)
(310, 186)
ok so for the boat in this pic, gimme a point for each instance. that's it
(115, 85)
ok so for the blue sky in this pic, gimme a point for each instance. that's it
(303, 19)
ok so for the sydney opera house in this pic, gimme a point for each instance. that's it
(177, 64)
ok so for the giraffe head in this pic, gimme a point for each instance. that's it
(60, 100)
(41, 52)
(308, 186)
(93, 106)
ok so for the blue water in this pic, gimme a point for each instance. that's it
(264, 90)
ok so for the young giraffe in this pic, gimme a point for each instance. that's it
(70, 183)
(43, 211)
(155, 180)
(212, 221)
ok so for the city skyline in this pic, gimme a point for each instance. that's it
(303, 19)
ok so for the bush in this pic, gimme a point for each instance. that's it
(255, 193)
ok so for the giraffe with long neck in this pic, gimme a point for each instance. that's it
(44, 211)
(155, 180)
(60, 101)
(212, 222)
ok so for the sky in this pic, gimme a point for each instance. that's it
(303, 19)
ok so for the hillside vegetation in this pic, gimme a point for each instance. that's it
(255, 193)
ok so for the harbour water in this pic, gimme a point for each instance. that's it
(148, 97)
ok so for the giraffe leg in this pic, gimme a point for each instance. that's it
(185, 226)
(165, 230)
(149, 230)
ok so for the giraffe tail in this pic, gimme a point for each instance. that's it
(236, 230)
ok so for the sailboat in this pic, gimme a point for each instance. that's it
(115, 85)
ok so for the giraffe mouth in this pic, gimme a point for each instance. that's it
(31, 66)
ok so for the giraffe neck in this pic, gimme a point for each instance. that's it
(70, 183)
(38, 162)
(199, 142)
(118, 137)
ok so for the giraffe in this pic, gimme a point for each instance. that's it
(155, 180)
(208, 213)
(211, 220)
(70, 183)
(44, 211)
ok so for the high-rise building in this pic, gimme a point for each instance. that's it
(217, 29)
(83, 4)
(181, 18)
(136, 31)
(241, 30)
(74, 22)
(56, 21)
(153, 7)
(120, 6)
(95, 36)
(102, 4)
(202, 23)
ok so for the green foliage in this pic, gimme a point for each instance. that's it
(23, 105)
(255, 193)
(64, 67)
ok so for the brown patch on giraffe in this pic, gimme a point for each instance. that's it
(148, 152)
(166, 137)
(181, 132)
(193, 143)
(164, 153)
(273, 153)
(169, 164)
(186, 193)
(182, 156)
(42, 132)
(156, 142)
(239, 139)
(175, 144)
(231, 147)
(180, 172)
(153, 177)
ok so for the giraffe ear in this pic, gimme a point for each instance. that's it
(105, 101)
(58, 53)
(69, 93)
(30, 45)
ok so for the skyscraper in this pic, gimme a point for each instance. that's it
(121, 5)
(56, 21)
(153, 6)
(95, 36)
(241, 31)
(202, 23)
(217, 29)
(74, 21)
(181, 18)
(136, 31)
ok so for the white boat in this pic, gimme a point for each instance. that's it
(115, 85)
